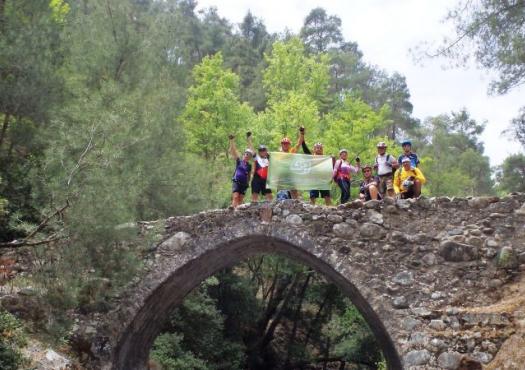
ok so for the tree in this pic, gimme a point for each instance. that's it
(511, 174)
(320, 31)
(354, 125)
(213, 109)
(32, 86)
(452, 157)
(291, 71)
(493, 33)
(518, 127)
(393, 91)
(245, 56)
(349, 73)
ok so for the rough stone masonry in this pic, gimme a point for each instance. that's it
(424, 273)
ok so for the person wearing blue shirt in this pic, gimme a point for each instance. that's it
(407, 152)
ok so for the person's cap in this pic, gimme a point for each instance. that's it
(406, 142)
(343, 151)
(405, 159)
(365, 167)
(381, 144)
(262, 147)
(249, 151)
(285, 140)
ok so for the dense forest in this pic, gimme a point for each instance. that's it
(267, 313)
(118, 111)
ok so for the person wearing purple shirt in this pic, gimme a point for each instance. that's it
(241, 176)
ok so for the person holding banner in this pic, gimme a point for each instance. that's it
(260, 174)
(286, 147)
(314, 194)
(241, 176)
(343, 174)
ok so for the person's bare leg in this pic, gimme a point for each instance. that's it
(372, 189)
(241, 199)
(390, 189)
(294, 194)
(269, 197)
(255, 197)
(312, 201)
(417, 188)
(328, 201)
(235, 199)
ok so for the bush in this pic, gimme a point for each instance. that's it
(12, 337)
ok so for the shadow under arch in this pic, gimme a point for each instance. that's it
(132, 350)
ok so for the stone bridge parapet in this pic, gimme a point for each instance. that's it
(425, 273)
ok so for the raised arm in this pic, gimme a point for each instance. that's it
(233, 149)
(306, 150)
(357, 167)
(249, 141)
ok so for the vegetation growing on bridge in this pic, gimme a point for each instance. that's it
(116, 111)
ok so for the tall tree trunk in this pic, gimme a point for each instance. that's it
(328, 341)
(316, 318)
(268, 336)
(297, 312)
(4, 128)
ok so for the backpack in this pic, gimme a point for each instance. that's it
(387, 163)
(338, 169)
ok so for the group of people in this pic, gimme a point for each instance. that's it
(393, 177)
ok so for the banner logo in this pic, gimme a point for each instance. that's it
(301, 166)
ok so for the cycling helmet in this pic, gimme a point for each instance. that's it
(318, 144)
(406, 142)
(249, 151)
(381, 144)
(285, 140)
(366, 166)
(262, 147)
(405, 159)
(343, 151)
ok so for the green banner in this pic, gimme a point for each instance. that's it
(299, 171)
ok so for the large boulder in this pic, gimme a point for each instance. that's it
(453, 251)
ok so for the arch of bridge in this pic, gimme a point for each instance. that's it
(420, 271)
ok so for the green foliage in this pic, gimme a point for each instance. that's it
(518, 127)
(290, 70)
(354, 341)
(267, 312)
(511, 174)
(167, 351)
(355, 126)
(213, 109)
(12, 338)
(452, 159)
(494, 29)
(321, 31)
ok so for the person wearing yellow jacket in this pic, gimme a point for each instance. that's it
(408, 180)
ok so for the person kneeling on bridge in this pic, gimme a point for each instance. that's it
(241, 176)
(408, 180)
(369, 188)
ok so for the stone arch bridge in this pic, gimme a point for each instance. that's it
(426, 274)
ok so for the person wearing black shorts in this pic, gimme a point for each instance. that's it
(261, 163)
(314, 194)
(241, 176)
